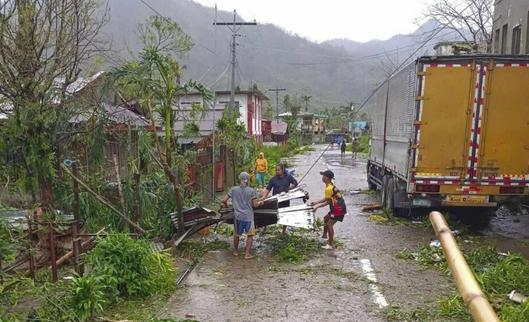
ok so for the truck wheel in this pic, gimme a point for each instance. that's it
(370, 184)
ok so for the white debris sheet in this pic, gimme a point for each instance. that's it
(301, 216)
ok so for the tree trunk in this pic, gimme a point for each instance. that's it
(179, 203)
(136, 201)
(46, 192)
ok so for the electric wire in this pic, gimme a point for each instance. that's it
(405, 61)
(220, 76)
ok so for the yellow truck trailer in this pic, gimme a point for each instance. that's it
(451, 131)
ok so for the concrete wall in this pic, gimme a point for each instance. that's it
(511, 13)
(205, 123)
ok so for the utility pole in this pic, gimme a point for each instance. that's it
(277, 90)
(234, 28)
(306, 98)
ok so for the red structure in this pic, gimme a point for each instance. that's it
(266, 127)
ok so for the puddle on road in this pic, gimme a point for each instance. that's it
(225, 287)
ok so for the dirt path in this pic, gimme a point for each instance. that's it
(358, 282)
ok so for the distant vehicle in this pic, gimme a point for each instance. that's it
(334, 133)
(451, 131)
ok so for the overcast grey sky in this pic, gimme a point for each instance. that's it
(321, 20)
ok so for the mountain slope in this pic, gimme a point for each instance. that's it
(334, 72)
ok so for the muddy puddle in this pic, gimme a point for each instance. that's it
(228, 288)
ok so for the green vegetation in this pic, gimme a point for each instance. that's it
(386, 217)
(88, 296)
(224, 229)
(497, 274)
(294, 247)
(362, 144)
(122, 269)
(194, 249)
(139, 309)
(395, 313)
(8, 246)
(41, 108)
(129, 268)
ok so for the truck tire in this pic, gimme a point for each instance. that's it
(370, 184)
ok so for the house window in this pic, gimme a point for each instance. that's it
(516, 38)
(504, 30)
(497, 41)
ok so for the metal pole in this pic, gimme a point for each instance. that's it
(277, 90)
(234, 28)
(213, 185)
(469, 289)
(76, 201)
(277, 106)
(233, 62)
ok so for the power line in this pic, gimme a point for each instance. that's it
(345, 58)
(234, 27)
(220, 76)
(239, 73)
(405, 61)
(359, 59)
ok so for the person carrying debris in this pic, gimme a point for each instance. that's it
(261, 169)
(243, 199)
(337, 209)
(281, 182)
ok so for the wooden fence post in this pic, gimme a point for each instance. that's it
(53, 255)
(30, 249)
(136, 202)
(76, 241)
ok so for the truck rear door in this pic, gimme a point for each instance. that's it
(442, 131)
(504, 152)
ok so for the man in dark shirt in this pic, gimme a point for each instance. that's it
(281, 182)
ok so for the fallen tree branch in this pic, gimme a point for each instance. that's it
(102, 200)
(84, 245)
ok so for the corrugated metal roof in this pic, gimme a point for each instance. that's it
(116, 114)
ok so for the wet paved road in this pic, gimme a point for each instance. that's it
(354, 283)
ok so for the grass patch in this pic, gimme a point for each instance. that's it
(386, 217)
(138, 309)
(396, 313)
(497, 274)
(224, 229)
(194, 250)
(427, 256)
(301, 150)
(294, 247)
